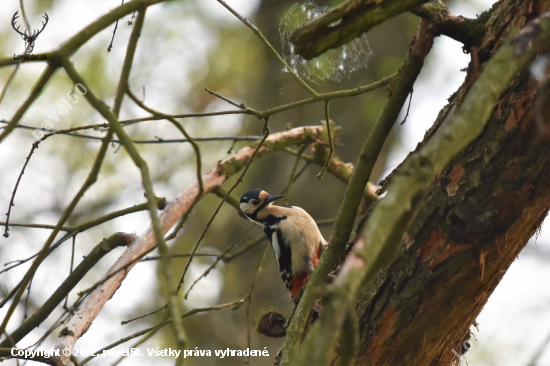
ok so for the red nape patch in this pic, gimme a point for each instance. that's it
(297, 283)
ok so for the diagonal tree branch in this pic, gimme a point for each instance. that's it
(345, 23)
(464, 30)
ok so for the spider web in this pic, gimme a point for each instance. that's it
(332, 65)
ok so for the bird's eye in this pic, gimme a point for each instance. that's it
(255, 202)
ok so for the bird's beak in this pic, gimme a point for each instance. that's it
(273, 197)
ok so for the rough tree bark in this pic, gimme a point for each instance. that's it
(479, 213)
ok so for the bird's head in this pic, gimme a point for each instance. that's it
(256, 199)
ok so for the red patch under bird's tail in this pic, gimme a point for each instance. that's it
(297, 283)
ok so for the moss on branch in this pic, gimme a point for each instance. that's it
(345, 23)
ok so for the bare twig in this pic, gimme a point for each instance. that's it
(293, 176)
(6, 230)
(124, 322)
(249, 300)
(69, 132)
(342, 171)
(330, 142)
(114, 32)
(37, 89)
(241, 106)
(408, 107)
(206, 253)
(36, 226)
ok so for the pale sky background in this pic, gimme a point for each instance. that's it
(512, 325)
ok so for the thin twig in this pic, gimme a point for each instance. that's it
(245, 248)
(6, 230)
(342, 171)
(69, 132)
(137, 344)
(37, 226)
(330, 142)
(218, 256)
(27, 301)
(249, 300)
(292, 177)
(114, 32)
(241, 106)
(176, 255)
(408, 107)
(124, 322)
(71, 269)
(301, 171)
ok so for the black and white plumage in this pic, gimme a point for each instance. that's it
(295, 238)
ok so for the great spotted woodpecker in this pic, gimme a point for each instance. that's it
(293, 234)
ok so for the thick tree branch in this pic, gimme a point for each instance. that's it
(467, 31)
(345, 23)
